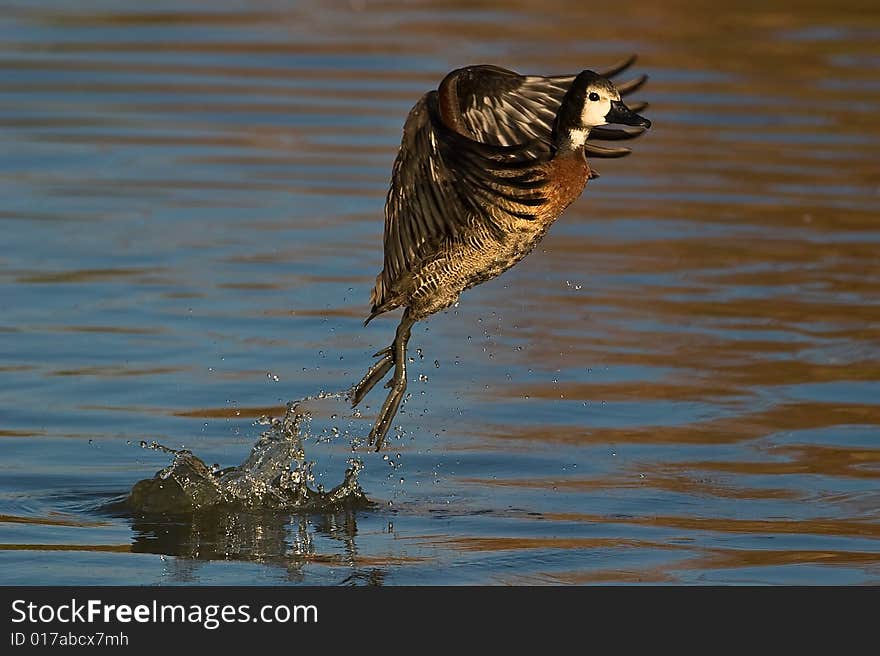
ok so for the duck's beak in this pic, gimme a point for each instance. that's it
(623, 115)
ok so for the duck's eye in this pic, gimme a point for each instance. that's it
(594, 96)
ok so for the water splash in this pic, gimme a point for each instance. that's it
(274, 476)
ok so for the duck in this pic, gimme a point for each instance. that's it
(487, 162)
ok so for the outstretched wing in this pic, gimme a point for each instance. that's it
(443, 184)
(499, 106)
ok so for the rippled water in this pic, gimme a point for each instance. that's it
(681, 385)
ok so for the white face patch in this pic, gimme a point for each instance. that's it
(594, 111)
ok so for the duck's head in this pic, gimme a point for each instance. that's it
(591, 101)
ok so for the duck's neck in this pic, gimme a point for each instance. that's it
(568, 133)
(570, 140)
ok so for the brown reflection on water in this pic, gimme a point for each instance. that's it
(830, 526)
(91, 548)
(736, 558)
(716, 559)
(653, 575)
(638, 480)
(511, 544)
(50, 521)
(728, 271)
(803, 459)
(739, 428)
(116, 371)
(83, 275)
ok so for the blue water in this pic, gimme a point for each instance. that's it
(680, 385)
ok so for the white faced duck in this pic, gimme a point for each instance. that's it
(487, 163)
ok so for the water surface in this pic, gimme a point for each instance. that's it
(682, 384)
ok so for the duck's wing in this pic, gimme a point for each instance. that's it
(497, 106)
(445, 184)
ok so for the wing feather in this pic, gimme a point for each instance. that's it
(501, 107)
(444, 184)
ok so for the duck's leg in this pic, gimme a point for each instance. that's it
(374, 375)
(397, 353)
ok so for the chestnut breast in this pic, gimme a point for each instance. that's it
(567, 175)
